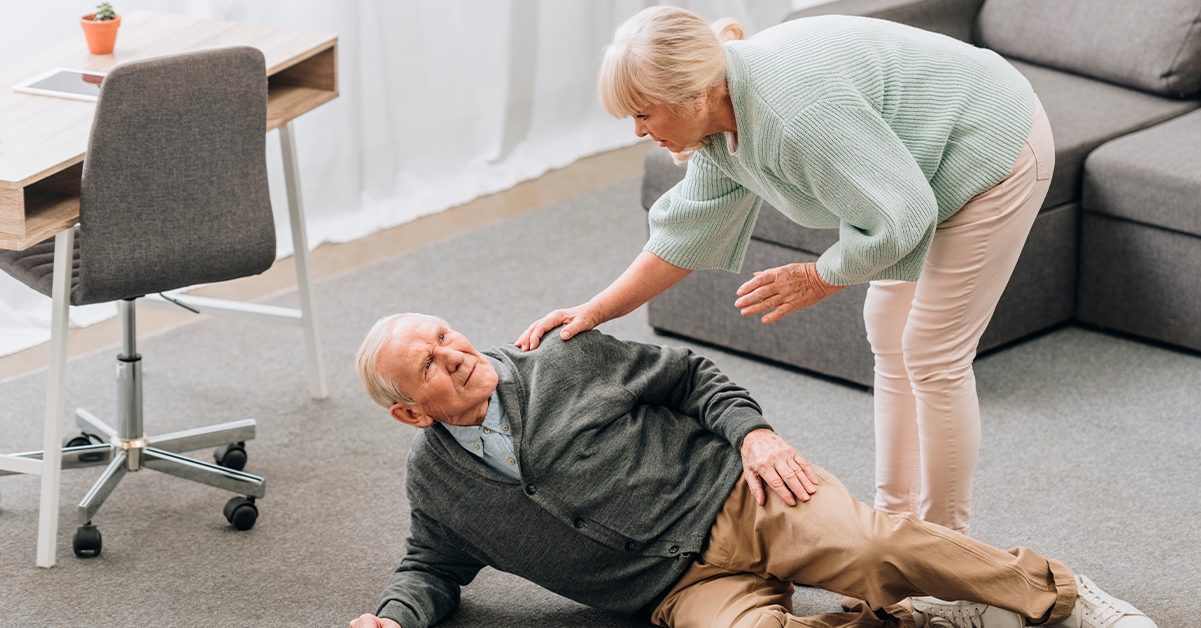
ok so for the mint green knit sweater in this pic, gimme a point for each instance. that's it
(878, 129)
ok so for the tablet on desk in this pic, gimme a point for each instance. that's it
(64, 83)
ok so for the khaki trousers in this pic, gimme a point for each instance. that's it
(924, 337)
(745, 576)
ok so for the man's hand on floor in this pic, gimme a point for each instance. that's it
(768, 458)
(371, 621)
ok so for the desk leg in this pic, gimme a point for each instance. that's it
(52, 443)
(304, 269)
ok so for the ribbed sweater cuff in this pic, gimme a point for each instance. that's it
(743, 422)
(400, 614)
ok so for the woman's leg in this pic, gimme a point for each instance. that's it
(969, 264)
(898, 458)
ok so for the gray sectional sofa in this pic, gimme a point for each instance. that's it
(1118, 80)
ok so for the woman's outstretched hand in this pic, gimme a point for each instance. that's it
(783, 290)
(575, 320)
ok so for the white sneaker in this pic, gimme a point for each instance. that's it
(1098, 609)
(931, 612)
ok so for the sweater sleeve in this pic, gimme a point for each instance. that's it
(847, 157)
(677, 378)
(704, 221)
(425, 588)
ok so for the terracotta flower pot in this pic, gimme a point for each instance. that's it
(101, 36)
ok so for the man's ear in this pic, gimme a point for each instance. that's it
(410, 415)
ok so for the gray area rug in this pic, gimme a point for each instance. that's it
(1091, 450)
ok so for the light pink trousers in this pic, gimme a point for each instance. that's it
(924, 337)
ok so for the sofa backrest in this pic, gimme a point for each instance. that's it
(954, 18)
(1153, 45)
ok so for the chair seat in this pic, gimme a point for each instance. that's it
(34, 267)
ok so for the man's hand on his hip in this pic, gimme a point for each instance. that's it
(767, 458)
(371, 621)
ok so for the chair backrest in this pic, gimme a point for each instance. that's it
(174, 190)
(1152, 45)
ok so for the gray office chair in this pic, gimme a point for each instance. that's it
(174, 193)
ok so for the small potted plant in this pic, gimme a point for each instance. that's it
(100, 29)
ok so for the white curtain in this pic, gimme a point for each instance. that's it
(441, 101)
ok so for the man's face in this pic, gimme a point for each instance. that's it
(438, 368)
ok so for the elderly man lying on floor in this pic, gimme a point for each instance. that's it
(608, 472)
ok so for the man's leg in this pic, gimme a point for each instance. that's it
(839, 544)
(710, 597)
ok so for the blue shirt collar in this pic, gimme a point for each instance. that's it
(471, 435)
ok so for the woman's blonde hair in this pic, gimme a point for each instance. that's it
(382, 391)
(667, 56)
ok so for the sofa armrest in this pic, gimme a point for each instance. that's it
(956, 18)
(659, 174)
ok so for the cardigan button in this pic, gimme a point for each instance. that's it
(530, 490)
(631, 546)
(578, 522)
(673, 550)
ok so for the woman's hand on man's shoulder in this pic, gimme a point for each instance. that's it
(574, 320)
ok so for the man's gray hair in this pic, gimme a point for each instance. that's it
(382, 391)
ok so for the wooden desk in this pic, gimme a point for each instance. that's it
(43, 140)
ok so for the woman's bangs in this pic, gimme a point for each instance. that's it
(619, 86)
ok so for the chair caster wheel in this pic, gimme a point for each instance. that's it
(86, 542)
(82, 439)
(241, 512)
(232, 456)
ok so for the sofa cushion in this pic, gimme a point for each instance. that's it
(1085, 114)
(829, 338)
(1151, 45)
(773, 226)
(1152, 177)
(660, 173)
(1140, 280)
(955, 18)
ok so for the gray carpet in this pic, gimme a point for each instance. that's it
(1091, 449)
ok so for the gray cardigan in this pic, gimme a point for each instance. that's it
(627, 452)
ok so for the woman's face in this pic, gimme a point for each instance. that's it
(673, 128)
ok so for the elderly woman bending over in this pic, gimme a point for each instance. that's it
(930, 156)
